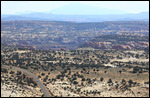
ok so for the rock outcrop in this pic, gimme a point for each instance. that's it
(119, 42)
(121, 47)
(97, 45)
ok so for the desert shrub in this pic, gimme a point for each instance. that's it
(123, 81)
(109, 81)
(39, 76)
(101, 79)
(43, 74)
(130, 81)
(75, 82)
(74, 78)
(120, 71)
(12, 72)
(83, 79)
(19, 72)
(4, 70)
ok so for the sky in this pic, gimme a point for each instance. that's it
(19, 7)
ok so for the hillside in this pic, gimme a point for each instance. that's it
(77, 73)
(57, 34)
(119, 41)
(14, 83)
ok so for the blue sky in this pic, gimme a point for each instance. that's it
(14, 7)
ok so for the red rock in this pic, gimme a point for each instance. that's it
(144, 43)
(121, 47)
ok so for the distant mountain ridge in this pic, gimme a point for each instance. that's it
(77, 18)
(17, 17)
(82, 9)
(79, 13)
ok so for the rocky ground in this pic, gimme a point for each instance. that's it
(11, 88)
(99, 89)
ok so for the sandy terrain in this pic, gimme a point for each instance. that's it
(135, 52)
(104, 88)
(12, 90)
(111, 65)
(9, 88)
(21, 51)
(57, 89)
(130, 59)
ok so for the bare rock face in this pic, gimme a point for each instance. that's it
(121, 47)
(139, 44)
(27, 46)
(108, 45)
(119, 41)
(98, 45)
(143, 44)
(132, 44)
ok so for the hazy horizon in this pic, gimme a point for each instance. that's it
(26, 7)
